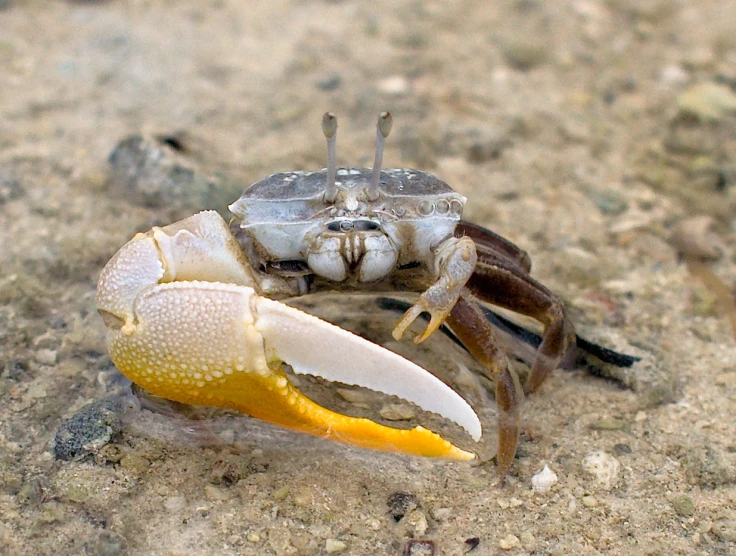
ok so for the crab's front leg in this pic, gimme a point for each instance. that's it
(455, 260)
(469, 322)
(187, 324)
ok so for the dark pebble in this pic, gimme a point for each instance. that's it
(401, 503)
(152, 173)
(330, 84)
(88, 430)
(471, 544)
(622, 449)
(10, 187)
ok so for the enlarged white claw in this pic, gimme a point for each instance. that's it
(315, 347)
(221, 344)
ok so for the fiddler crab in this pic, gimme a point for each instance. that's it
(191, 317)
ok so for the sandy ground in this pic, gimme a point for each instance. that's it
(587, 131)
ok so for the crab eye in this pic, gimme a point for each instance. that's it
(348, 225)
(340, 226)
(365, 225)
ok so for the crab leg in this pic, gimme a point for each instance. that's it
(469, 323)
(490, 243)
(500, 282)
(222, 344)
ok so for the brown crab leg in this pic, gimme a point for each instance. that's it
(501, 282)
(490, 243)
(471, 326)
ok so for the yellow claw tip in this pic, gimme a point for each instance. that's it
(461, 455)
(426, 443)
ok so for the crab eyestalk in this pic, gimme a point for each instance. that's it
(329, 128)
(385, 121)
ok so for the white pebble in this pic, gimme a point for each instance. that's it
(394, 85)
(590, 501)
(509, 542)
(604, 467)
(544, 480)
(333, 545)
(46, 356)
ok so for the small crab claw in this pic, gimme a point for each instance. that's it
(455, 261)
(222, 344)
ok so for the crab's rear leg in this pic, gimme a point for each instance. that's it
(469, 323)
(500, 282)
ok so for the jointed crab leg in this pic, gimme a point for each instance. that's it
(222, 344)
(490, 243)
(469, 323)
(499, 282)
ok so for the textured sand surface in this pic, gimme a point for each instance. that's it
(586, 131)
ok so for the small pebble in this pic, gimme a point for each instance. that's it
(696, 237)
(418, 521)
(590, 501)
(608, 424)
(253, 537)
(440, 514)
(673, 75)
(227, 436)
(333, 546)
(528, 541)
(725, 529)
(419, 548)
(401, 503)
(524, 54)
(707, 101)
(46, 356)
(544, 480)
(604, 467)
(609, 201)
(88, 430)
(727, 379)
(302, 496)
(472, 543)
(683, 506)
(356, 396)
(394, 85)
(705, 526)
(509, 542)
(397, 412)
(330, 83)
(280, 494)
(216, 494)
(134, 463)
(37, 391)
(640, 416)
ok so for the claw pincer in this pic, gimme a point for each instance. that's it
(186, 322)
